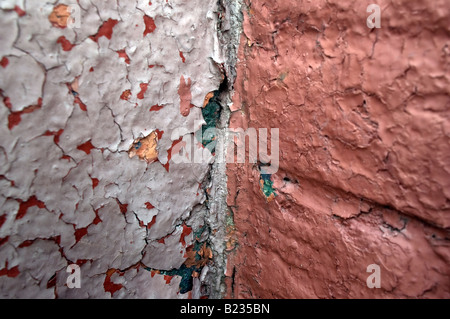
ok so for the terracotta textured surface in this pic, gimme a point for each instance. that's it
(90, 100)
(364, 151)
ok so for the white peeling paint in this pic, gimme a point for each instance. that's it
(94, 202)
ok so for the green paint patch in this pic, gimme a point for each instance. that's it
(211, 114)
(266, 184)
(198, 255)
(198, 234)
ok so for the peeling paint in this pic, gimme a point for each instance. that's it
(65, 44)
(184, 92)
(105, 30)
(267, 187)
(357, 109)
(145, 148)
(76, 104)
(59, 16)
(149, 25)
(211, 114)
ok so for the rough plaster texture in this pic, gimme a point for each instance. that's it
(364, 151)
(77, 104)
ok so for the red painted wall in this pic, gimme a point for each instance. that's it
(364, 151)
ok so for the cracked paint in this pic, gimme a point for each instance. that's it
(363, 178)
(145, 148)
(149, 25)
(76, 104)
(59, 16)
(105, 30)
(65, 44)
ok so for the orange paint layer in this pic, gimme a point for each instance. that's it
(145, 148)
(59, 16)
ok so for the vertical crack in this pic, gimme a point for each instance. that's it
(229, 27)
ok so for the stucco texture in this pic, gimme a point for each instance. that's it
(364, 151)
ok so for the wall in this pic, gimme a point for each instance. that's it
(95, 99)
(364, 159)
(100, 121)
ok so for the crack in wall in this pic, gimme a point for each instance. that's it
(87, 129)
(229, 28)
